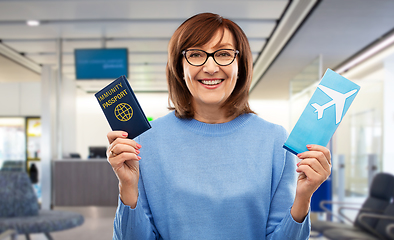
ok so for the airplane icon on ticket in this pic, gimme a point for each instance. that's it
(338, 99)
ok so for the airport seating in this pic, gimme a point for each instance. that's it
(7, 234)
(19, 209)
(379, 231)
(390, 230)
(381, 193)
(13, 165)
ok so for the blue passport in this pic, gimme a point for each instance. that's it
(121, 108)
(323, 113)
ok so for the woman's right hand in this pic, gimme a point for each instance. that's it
(122, 154)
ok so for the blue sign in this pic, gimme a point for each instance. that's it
(101, 63)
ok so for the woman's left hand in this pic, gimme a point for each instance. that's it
(314, 169)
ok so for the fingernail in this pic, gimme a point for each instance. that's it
(298, 164)
(139, 158)
(138, 146)
(299, 155)
(137, 151)
(124, 134)
(308, 146)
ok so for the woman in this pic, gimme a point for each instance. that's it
(212, 169)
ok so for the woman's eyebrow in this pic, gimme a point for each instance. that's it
(224, 45)
(218, 46)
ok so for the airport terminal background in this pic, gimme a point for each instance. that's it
(50, 121)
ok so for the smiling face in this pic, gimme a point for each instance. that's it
(211, 84)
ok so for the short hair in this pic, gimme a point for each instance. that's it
(197, 31)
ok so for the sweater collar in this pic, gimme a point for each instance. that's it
(215, 129)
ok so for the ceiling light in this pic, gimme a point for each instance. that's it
(370, 52)
(33, 22)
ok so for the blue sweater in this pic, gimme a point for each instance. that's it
(213, 181)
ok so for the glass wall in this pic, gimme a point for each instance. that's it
(357, 145)
(358, 139)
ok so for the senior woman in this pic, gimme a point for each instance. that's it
(211, 168)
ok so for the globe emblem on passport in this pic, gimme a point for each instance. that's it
(123, 112)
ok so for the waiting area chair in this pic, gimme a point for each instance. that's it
(390, 230)
(378, 202)
(12, 166)
(7, 234)
(368, 232)
(19, 209)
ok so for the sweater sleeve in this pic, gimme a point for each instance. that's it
(132, 223)
(135, 223)
(281, 224)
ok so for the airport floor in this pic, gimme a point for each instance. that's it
(98, 225)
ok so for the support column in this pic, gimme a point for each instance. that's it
(388, 115)
(48, 135)
(68, 116)
(59, 98)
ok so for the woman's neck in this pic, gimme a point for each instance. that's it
(211, 114)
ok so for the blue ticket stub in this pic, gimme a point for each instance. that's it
(323, 113)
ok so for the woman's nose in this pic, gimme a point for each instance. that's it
(210, 66)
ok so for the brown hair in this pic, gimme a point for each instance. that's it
(197, 31)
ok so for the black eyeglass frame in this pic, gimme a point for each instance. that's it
(212, 54)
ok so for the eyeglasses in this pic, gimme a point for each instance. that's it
(222, 57)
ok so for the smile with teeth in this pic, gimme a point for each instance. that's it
(211, 82)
